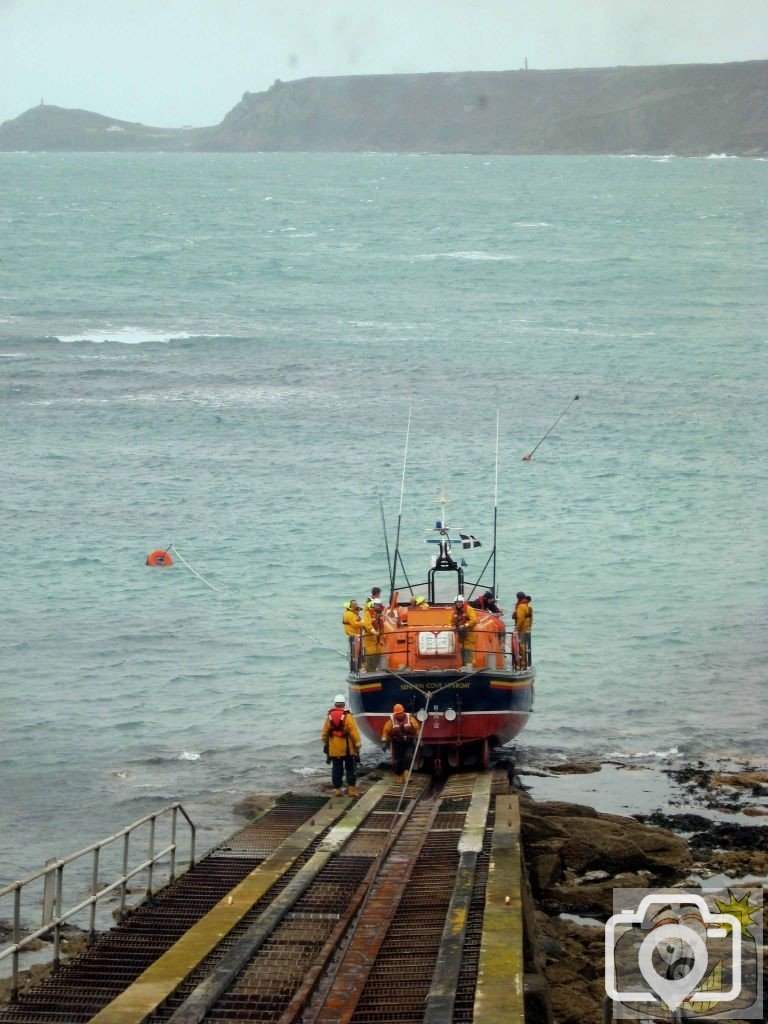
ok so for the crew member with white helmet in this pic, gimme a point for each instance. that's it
(341, 743)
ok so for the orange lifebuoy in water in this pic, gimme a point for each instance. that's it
(159, 558)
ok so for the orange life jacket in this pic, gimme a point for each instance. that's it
(337, 718)
(402, 730)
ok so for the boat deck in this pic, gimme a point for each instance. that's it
(408, 904)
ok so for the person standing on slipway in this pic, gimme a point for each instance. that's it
(341, 743)
(400, 732)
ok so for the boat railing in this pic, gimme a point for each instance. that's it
(158, 863)
(403, 648)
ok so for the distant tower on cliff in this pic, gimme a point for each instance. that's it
(526, 63)
(42, 102)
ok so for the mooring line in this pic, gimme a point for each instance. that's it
(172, 547)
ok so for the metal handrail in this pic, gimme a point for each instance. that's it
(515, 660)
(53, 876)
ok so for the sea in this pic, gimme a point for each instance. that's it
(223, 353)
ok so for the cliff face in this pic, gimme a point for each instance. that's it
(686, 109)
(682, 109)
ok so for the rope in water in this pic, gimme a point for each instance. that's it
(219, 590)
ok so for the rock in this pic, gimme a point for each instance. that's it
(577, 857)
(575, 768)
(725, 835)
(675, 822)
(545, 866)
(574, 969)
(605, 842)
(252, 805)
(593, 899)
(738, 863)
(594, 876)
(746, 779)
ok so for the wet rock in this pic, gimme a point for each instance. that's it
(252, 805)
(736, 863)
(575, 768)
(675, 822)
(746, 779)
(605, 842)
(27, 980)
(724, 835)
(545, 864)
(594, 899)
(574, 957)
(577, 857)
(594, 876)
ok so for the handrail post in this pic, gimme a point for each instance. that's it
(16, 937)
(174, 814)
(59, 911)
(94, 890)
(151, 854)
(49, 893)
(124, 886)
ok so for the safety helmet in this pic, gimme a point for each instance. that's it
(460, 599)
(421, 600)
(339, 699)
(377, 601)
(398, 709)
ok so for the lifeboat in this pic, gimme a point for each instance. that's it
(463, 675)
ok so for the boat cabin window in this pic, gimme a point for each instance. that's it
(446, 585)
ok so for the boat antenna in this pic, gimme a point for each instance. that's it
(386, 541)
(527, 458)
(393, 569)
(495, 502)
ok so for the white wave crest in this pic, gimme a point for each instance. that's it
(471, 255)
(672, 752)
(125, 335)
(188, 755)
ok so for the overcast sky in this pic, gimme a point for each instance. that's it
(174, 62)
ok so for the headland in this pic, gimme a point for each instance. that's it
(685, 110)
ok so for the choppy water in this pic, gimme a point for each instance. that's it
(220, 352)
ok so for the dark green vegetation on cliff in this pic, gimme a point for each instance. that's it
(690, 109)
